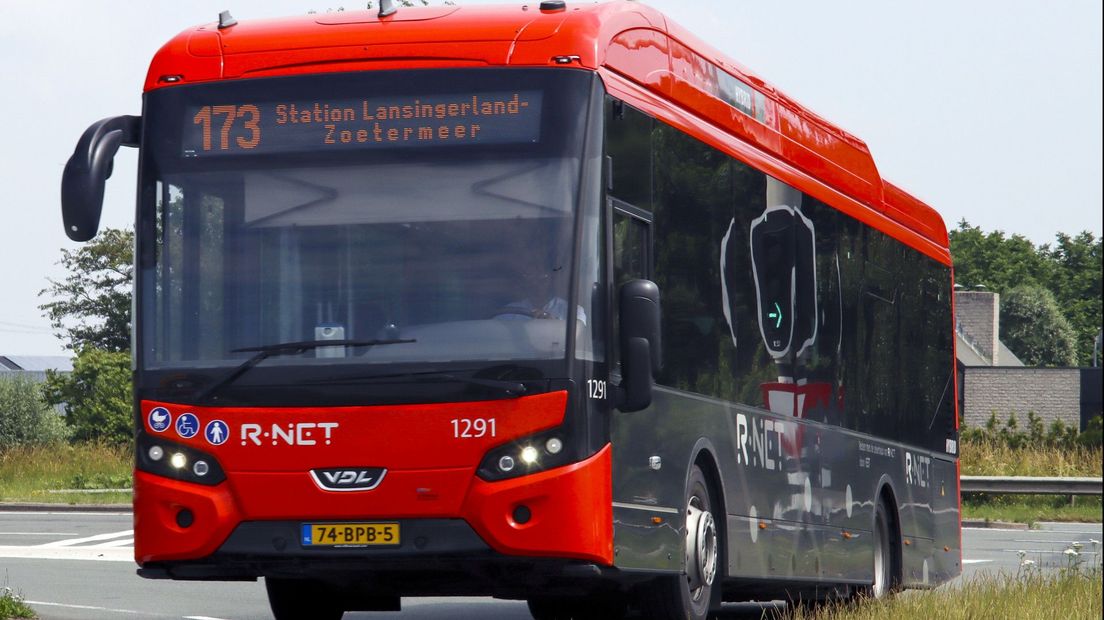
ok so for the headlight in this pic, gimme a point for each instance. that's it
(177, 461)
(553, 445)
(525, 456)
(529, 455)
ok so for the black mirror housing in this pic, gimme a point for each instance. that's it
(641, 350)
(82, 183)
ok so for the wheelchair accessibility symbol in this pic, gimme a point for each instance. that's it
(187, 425)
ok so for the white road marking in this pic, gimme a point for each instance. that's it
(66, 513)
(95, 608)
(201, 618)
(1053, 550)
(39, 552)
(992, 529)
(975, 561)
(38, 533)
(124, 542)
(68, 542)
(1064, 542)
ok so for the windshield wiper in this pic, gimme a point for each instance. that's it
(510, 388)
(264, 352)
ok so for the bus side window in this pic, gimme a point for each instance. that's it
(632, 245)
(629, 151)
(629, 146)
(631, 248)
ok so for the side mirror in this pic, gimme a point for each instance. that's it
(82, 183)
(641, 351)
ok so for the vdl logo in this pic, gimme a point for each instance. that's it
(351, 479)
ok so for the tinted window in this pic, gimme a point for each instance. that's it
(452, 241)
(773, 299)
(629, 146)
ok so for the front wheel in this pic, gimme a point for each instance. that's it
(693, 595)
(300, 599)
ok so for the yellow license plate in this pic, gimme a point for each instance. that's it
(349, 534)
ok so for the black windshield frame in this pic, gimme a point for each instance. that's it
(569, 95)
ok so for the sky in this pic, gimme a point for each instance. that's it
(988, 110)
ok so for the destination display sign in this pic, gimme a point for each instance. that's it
(251, 128)
(739, 95)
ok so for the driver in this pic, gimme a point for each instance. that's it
(538, 286)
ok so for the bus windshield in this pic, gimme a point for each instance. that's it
(433, 208)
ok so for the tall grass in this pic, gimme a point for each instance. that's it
(994, 458)
(28, 473)
(1031, 509)
(1062, 594)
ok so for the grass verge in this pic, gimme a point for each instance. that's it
(1031, 508)
(987, 458)
(990, 458)
(12, 605)
(1064, 594)
(27, 474)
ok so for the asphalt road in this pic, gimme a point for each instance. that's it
(79, 566)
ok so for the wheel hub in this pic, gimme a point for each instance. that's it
(701, 548)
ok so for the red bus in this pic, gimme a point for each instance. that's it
(549, 302)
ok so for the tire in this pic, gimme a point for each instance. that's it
(886, 578)
(693, 595)
(301, 599)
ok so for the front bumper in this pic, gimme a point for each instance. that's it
(468, 520)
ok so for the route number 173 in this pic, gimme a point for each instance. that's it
(226, 115)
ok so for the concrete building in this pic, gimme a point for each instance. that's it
(35, 365)
(991, 379)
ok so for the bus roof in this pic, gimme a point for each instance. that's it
(626, 38)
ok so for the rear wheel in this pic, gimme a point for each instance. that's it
(885, 568)
(301, 599)
(690, 596)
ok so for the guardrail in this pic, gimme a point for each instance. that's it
(1029, 485)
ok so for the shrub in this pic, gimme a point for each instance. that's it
(12, 605)
(96, 395)
(1091, 438)
(1009, 434)
(25, 417)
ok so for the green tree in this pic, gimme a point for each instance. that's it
(1034, 328)
(25, 417)
(91, 306)
(1076, 283)
(1071, 270)
(96, 395)
(997, 262)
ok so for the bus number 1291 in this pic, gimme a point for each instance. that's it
(473, 428)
